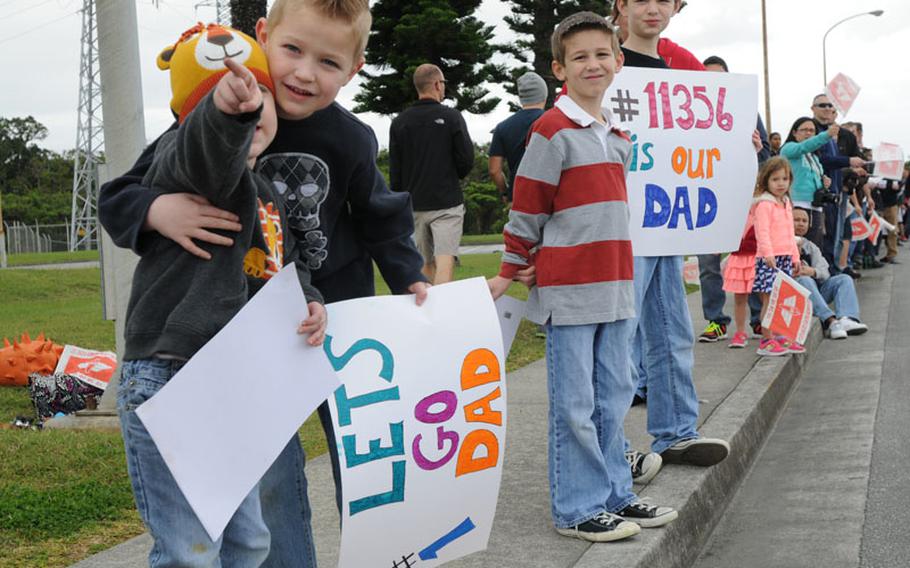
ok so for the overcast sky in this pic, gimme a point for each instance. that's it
(39, 56)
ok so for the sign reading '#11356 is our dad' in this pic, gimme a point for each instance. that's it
(693, 163)
(420, 423)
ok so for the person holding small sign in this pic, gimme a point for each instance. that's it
(570, 205)
(772, 217)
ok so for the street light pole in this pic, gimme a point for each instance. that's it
(875, 13)
(764, 38)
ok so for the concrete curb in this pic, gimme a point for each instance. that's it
(745, 419)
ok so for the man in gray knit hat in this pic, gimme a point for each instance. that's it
(510, 135)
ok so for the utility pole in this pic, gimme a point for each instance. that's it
(222, 10)
(124, 136)
(764, 38)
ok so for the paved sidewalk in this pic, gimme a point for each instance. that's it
(740, 397)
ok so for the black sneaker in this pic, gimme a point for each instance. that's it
(644, 466)
(852, 273)
(605, 527)
(713, 333)
(648, 516)
(697, 451)
(756, 331)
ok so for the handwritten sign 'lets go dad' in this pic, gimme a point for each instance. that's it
(693, 164)
(420, 421)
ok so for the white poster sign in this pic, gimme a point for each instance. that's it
(221, 421)
(693, 164)
(92, 367)
(691, 273)
(889, 161)
(420, 421)
(842, 92)
(510, 311)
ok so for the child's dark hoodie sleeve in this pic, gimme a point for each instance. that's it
(206, 155)
(123, 202)
(385, 223)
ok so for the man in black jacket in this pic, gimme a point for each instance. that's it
(430, 151)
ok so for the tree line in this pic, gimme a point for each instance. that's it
(36, 184)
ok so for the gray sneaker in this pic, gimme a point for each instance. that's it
(697, 451)
(644, 466)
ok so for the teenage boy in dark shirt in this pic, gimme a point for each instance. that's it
(662, 347)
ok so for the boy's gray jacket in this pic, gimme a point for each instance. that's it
(179, 301)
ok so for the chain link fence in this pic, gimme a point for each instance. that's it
(22, 238)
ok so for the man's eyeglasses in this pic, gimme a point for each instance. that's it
(824, 105)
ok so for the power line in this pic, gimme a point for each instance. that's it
(11, 14)
(36, 28)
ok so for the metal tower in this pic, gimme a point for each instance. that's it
(89, 138)
(222, 10)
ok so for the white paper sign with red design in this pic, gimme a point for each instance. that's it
(420, 424)
(789, 309)
(94, 368)
(842, 92)
(693, 164)
(690, 271)
(858, 224)
(889, 161)
(878, 225)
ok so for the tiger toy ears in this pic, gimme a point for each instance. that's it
(196, 63)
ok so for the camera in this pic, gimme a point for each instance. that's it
(869, 167)
(822, 197)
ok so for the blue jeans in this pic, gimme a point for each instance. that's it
(286, 505)
(838, 289)
(179, 537)
(590, 392)
(661, 350)
(713, 296)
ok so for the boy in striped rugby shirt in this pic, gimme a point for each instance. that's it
(570, 206)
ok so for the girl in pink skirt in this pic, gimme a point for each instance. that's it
(739, 274)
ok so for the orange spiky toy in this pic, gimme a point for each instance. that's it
(27, 356)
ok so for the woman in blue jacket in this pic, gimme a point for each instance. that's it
(808, 176)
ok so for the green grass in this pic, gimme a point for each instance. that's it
(470, 240)
(30, 259)
(65, 495)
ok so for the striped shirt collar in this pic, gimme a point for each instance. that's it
(580, 116)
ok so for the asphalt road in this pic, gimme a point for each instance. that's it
(831, 487)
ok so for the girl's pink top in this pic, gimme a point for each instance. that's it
(774, 227)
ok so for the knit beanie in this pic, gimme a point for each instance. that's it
(532, 89)
(196, 63)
